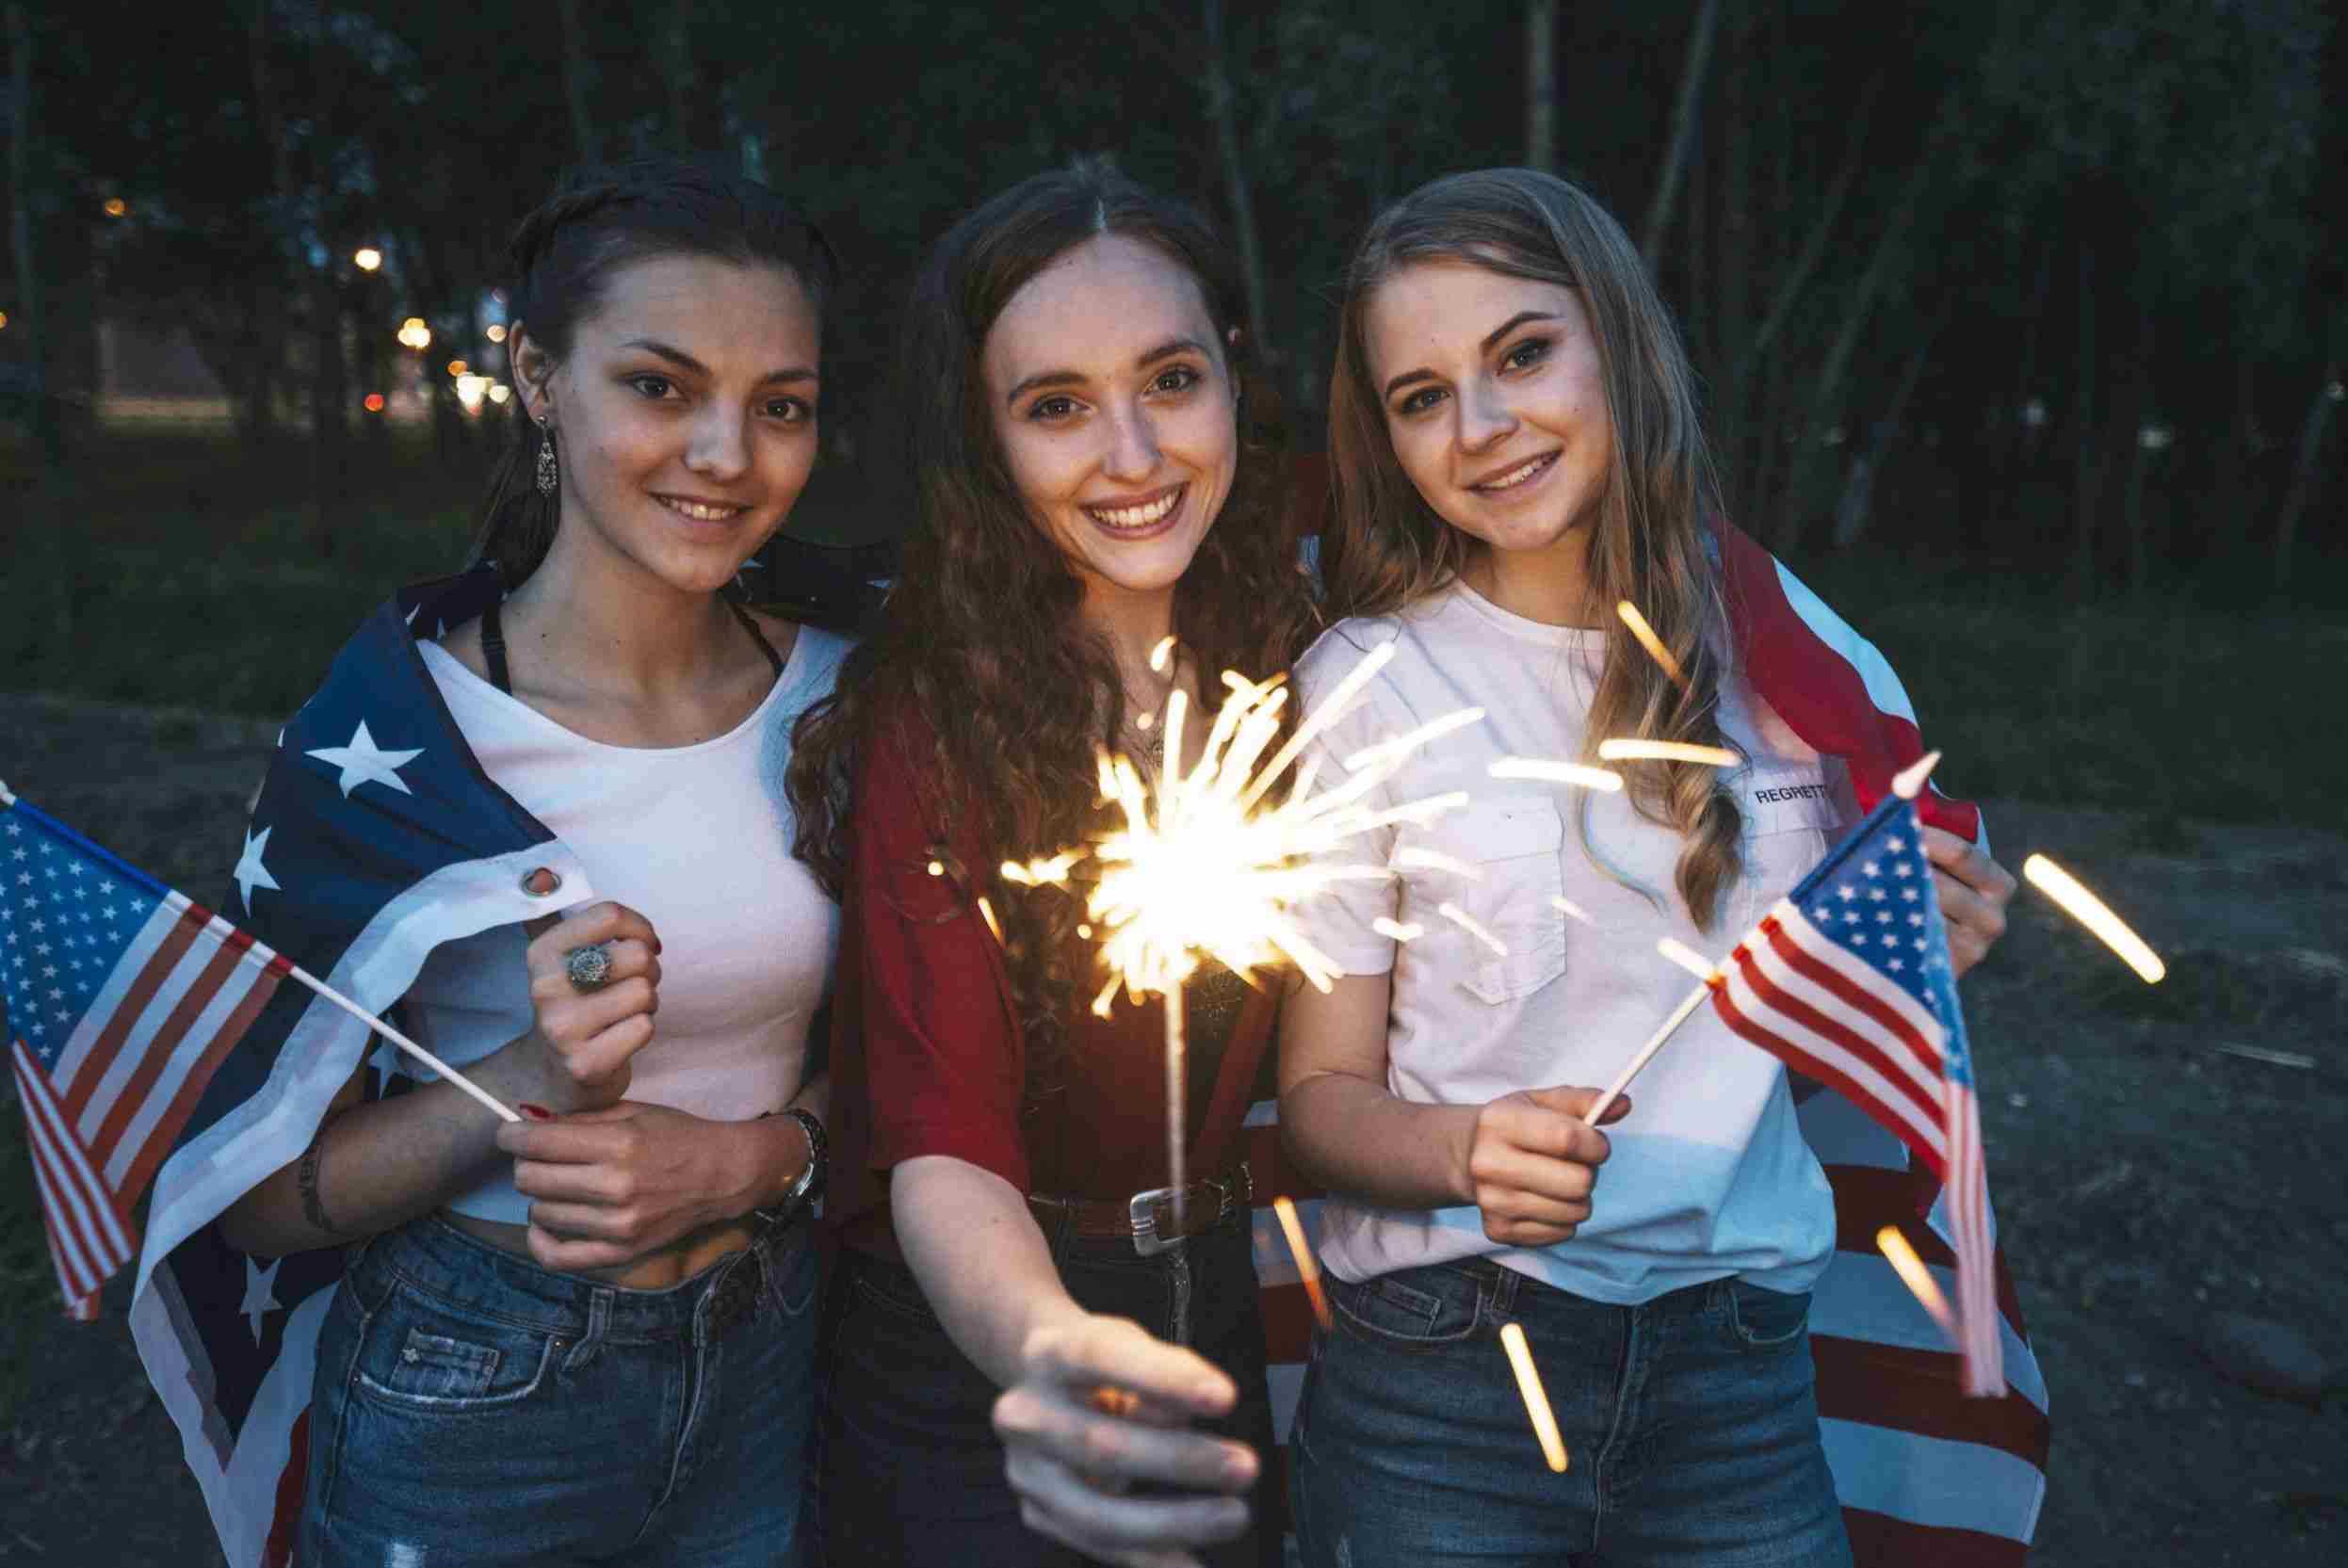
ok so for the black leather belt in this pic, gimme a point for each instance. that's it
(1147, 1219)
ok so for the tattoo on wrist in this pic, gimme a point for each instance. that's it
(306, 1178)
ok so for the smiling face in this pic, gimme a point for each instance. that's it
(1494, 400)
(684, 415)
(1115, 408)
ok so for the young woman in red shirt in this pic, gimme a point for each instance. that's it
(1021, 1334)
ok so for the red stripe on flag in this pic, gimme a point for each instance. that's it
(63, 1171)
(1880, 1541)
(70, 1258)
(1929, 1062)
(1899, 1074)
(192, 1083)
(1827, 1070)
(1920, 1392)
(127, 1012)
(155, 1052)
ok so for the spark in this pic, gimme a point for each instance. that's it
(1536, 1399)
(1916, 1277)
(1569, 907)
(1556, 772)
(1308, 1270)
(1686, 957)
(1619, 749)
(1162, 652)
(1041, 870)
(987, 911)
(1434, 860)
(1401, 745)
(1647, 640)
(1211, 860)
(1466, 922)
(1397, 930)
(2094, 913)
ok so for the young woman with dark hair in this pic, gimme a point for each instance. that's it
(590, 1334)
(1089, 478)
(1516, 449)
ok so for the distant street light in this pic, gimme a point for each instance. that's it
(374, 402)
(500, 392)
(413, 333)
(457, 367)
(496, 331)
(4, 319)
(115, 206)
(367, 258)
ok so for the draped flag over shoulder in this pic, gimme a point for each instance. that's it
(123, 997)
(377, 838)
(1928, 1477)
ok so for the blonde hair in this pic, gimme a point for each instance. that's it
(1384, 547)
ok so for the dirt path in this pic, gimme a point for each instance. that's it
(2145, 1175)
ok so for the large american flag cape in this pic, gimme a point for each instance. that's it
(377, 838)
(123, 997)
(1928, 1477)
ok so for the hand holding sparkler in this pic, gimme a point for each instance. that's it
(1100, 1406)
(1531, 1163)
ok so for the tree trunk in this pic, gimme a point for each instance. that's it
(329, 384)
(1734, 266)
(1225, 112)
(44, 416)
(1826, 390)
(1684, 120)
(575, 82)
(2328, 392)
(1814, 244)
(1541, 84)
(1853, 512)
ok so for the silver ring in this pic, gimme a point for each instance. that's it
(587, 967)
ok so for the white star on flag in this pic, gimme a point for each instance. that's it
(259, 1293)
(249, 872)
(364, 762)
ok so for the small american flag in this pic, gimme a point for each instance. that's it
(123, 997)
(1848, 980)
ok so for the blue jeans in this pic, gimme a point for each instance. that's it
(473, 1409)
(1690, 1427)
(913, 1472)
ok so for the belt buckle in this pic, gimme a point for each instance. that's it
(1143, 1211)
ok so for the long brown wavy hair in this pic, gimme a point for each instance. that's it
(1385, 547)
(980, 635)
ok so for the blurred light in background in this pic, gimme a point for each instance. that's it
(4, 319)
(374, 402)
(413, 333)
(470, 389)
(367, 258)
(496, 331)
(115, 206)
(2155, 438)
(457, 367)
(500, 392)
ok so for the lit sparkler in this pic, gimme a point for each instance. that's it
(1210, 862)
(1647, 640)
(1616, 749)
(1917, 1278)
(1536, 1398)
(2094, 913)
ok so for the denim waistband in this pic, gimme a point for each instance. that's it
(1504, 1289)
(434, 1257)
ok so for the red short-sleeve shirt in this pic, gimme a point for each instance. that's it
(928, 1056)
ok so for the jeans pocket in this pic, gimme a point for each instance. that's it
(1760, 1320)
(1389, 1311)
(421, 1357)
(795, 1272)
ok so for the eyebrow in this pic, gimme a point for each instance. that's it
(1490, 342)
(1069, 378)
(685, 361)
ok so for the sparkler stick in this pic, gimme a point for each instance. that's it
(1917, 1278)
(1307, 1268)
(1679, 1015)
(2094, 913)
(1536, 1398)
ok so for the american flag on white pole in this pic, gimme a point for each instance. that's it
(1848, 980)
(123, 997)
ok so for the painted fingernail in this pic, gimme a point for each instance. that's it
(536, 1113)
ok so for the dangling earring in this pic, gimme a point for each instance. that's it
(547, 474)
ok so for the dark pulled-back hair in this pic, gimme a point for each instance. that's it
(981, 637)
(564, 255)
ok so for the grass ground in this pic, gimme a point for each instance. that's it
(2181, 759)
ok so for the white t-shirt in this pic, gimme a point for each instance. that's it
(1710, 1176)
(695, 838)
